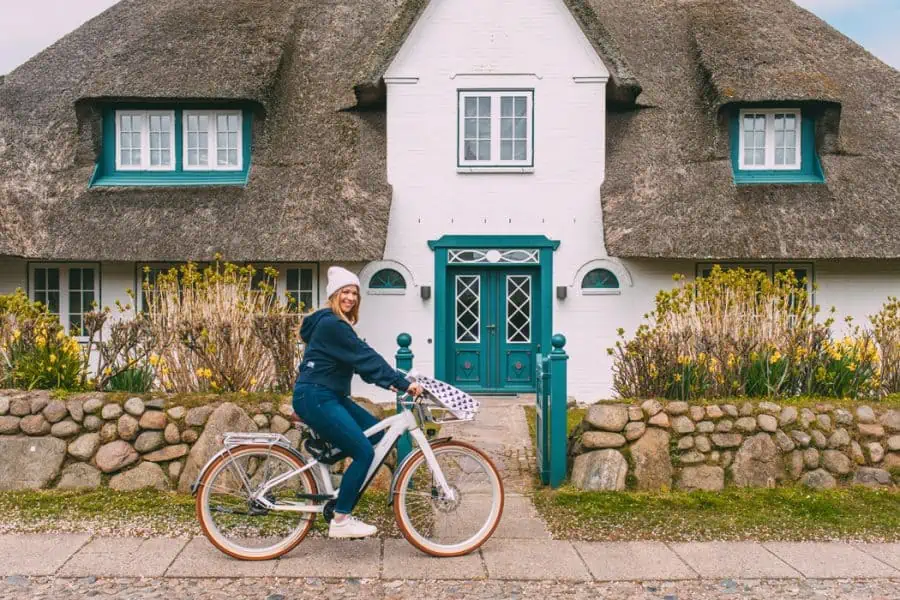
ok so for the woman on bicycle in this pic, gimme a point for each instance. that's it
(322, 393)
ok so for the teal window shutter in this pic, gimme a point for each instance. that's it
(600, 279)
(387, 279)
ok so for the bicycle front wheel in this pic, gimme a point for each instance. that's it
(244, 528)
(442, 526)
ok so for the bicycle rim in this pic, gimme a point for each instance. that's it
(242, 528)
(440, 526)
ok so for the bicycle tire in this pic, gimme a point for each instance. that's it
(420, 541)
(211, 531)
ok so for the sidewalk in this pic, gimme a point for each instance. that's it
(73, 555)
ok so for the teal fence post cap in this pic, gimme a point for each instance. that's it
(404, 340)
(558, 341)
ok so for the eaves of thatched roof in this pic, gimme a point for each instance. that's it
(317, 188)
(669, 190)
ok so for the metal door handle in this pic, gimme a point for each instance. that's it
(491, 327)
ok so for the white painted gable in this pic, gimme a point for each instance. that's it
(454, 37)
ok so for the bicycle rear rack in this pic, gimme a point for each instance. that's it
(233, 439)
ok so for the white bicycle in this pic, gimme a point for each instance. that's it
(258, 497)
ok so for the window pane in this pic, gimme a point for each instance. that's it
(222, 139)
(748, 156)
(760, 139)
(484, 150)
(760, 123)
(306, 279)
(779, 138)
(790, 138)
(88, 302)
(760, 156)
(233, 122)
(790, 156)
(471, 108)
(521, 106)
(779, 156)
(484, 105)
(221, 157)
(74, 302)
(506, 150)
(204, 156)
(470, 150)
(164, 157)
(779, 122)
(135, 157)
(521, 151)
(40, 296)
(292, 279)
(506, 128)
(222, 123)
(471, 128)
(53, 302)
(484, 128)
(232, 140)
(52, 279)
(40, 279)
(748, 122)
(790, 122)
(506, 106)
(74, 279)
(232, 157)
(521, 128)
(306, 301)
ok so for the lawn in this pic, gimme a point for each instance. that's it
(786, 513)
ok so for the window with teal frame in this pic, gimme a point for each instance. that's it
(387, 281)
(600, 281)
(773, 144)
(159, 145)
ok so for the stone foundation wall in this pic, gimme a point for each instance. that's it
(655, 446)
(90, 440)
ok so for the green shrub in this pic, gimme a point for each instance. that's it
(738, 333)
(886, 325)
(135, 379)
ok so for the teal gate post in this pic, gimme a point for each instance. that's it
(404, 358)
(551, 400)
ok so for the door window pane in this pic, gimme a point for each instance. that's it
(477, 128)
(468, 308)
(518, 308)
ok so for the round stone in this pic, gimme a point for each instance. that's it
(84, 446)
(697, 413)
(176, 412)
(65, 429)
(607, 417)
(811, 458)
(876, 452)
(836, 462)
(134, 407)
(686, 443)
(189, 436)
(111, 411)
(600, 470)
(4, 405)
(92, 405)
(602, 439)
(153, 419)
(788, 416)
(280, 424)
(172, 435)
(128, 427)
(109, 432)
(724, 426)
(659, 420)
(865, 414)
(79, 476)
(701, 443)
(677, 408)
(820, 479)
(651, 407)
(55, 411)
(34, 425)
(714, 412)
(767, 423)
(261, 420)
(839, 439)
(115, 456)
(9, 425)
(705, 477)
(745, 424)
(706, 426)
(149, 441)
(682, 424)
(634, 430)
(76, 410)
(196, 417)
(93, 422)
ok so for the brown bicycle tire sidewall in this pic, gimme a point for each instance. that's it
(199, 508)
(408, 535)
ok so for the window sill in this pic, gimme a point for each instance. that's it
(387, 292)
(497, 169)
(600, 292)
(171, 179)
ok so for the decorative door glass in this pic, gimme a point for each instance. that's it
(468, 308)
(518, 308)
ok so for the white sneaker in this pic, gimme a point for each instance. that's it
(351, 527)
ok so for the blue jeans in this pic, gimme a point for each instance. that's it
(340, 422)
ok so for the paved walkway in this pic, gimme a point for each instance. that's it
(73, 555)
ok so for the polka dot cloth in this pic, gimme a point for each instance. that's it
(460, 404)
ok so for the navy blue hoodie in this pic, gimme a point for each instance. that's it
(334, 352)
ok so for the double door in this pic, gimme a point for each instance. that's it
(494, 328)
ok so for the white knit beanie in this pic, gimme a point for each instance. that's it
(339, 277)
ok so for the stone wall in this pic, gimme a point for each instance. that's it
(92, 440)
(655, 446)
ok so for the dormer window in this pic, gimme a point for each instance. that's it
(774, 145)
(193, 145)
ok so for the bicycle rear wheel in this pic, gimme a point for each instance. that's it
(243, 528)
(438, 525)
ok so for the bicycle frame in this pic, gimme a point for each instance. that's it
(394, 427)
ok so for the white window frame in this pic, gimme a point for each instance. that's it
(212, 137)
(64, 288)
(144, 116)
(283, 280)
(770, 139)
(496, 96)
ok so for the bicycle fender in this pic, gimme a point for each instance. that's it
(409, 456)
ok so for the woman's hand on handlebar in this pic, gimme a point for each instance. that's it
(415, 390)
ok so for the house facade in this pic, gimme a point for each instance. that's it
(495, 171)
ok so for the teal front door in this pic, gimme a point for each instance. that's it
(493, 328)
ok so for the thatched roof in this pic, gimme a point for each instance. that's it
(317, 188)
(669, 189)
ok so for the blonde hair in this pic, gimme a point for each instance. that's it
(335, 303)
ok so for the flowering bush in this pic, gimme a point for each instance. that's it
(886, 325)
(35, 352)
(738, 333)
(210, 331)
(125, 352)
